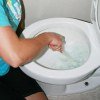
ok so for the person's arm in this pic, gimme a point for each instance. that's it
(17, 51)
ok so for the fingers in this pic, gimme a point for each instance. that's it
(56, 47)
(56, 43)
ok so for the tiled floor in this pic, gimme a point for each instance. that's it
(89, 95)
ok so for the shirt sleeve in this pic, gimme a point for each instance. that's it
(4, 21)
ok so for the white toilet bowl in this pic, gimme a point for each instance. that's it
(64, 77)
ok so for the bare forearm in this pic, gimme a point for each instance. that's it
(17, 51)
(29, 48)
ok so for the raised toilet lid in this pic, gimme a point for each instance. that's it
(98, 14)
(95, 14)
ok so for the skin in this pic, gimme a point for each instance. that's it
(18, 51)
(37, 96)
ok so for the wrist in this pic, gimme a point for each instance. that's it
(48, 36)
(44, 38)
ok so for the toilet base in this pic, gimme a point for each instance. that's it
(54, 90)
(85, 85)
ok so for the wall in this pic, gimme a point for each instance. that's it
(40, 9)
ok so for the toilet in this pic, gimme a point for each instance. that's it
(62, 80)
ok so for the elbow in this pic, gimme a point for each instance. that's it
(15, 61)
(15, 64)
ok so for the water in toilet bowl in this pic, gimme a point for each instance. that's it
(76, 50)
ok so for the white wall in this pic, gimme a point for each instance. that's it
(40, 9)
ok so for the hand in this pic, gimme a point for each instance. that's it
(56, 42)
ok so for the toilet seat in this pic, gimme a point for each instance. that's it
(64, 76)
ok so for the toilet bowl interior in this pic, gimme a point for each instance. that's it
(76, 49)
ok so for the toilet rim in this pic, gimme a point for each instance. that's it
(37, 25)
(88, 67)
